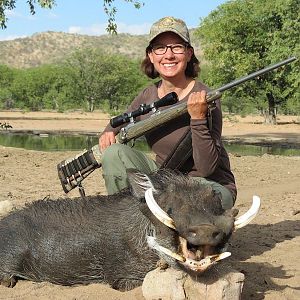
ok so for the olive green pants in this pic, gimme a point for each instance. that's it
(117, 158)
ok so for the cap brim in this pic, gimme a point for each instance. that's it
(170, 30)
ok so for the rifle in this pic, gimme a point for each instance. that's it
(72, 171)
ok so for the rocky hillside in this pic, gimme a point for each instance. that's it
(50, 47)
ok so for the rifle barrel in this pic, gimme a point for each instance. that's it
(255, 74)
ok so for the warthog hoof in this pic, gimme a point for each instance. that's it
(8, 281)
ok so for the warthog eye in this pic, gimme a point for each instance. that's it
(215, 234)
(193, 234)
(169, 211)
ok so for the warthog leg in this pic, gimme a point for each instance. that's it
(8, 281)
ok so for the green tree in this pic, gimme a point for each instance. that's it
(87, 80)
(6, 79)
(60, 94)
(28, 89)
(89, 69)
(6, 76)
(103, 80)
(108, 6)
(43, 87)
(242, 36)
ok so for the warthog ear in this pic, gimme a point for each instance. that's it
(139, 183)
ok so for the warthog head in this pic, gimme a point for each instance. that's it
(190, 227)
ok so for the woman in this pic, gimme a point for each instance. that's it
(171, 57)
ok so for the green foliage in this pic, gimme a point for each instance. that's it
(41, 87)
(6, 78)
(103, 79)
(6, 101)
(108, 6)
(292, 106)
(11, 4)
(89, 79)
(243, 36)
(111, 10)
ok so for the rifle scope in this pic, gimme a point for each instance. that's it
(169, 99)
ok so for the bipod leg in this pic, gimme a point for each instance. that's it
(81, 190)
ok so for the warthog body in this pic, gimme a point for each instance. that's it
(104, 238)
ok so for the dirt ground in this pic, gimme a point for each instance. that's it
(266, 251)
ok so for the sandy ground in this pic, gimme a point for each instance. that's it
(266, 251)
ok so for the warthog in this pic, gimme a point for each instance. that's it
(117, 239)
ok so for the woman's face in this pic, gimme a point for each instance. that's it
(170, 65)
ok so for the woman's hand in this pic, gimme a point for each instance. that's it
(106, 139)
(197, 105)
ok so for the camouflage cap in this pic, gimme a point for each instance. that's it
(170, 24)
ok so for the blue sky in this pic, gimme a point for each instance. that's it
(88, 17)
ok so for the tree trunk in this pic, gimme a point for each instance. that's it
(90, 104)
(270, 114)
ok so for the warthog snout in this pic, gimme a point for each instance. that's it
(204, 234)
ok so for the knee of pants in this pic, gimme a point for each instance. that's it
(111, 156)
(111, 153)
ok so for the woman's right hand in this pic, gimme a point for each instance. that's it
(106, 139)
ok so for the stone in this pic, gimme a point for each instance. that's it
(215, 284)
(5, 207)
(164, 284)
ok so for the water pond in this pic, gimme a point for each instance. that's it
(46, 142)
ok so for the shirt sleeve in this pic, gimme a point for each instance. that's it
(206, 143)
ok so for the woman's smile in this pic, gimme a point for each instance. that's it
(169, 64)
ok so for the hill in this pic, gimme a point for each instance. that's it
(51, 47)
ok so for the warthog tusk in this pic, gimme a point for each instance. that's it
(192, 264)
(157, 211)
(204, 263)
(154, 245)
(249, 215)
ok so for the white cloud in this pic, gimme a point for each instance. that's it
(134, 28)
(100, 29)
(12, 37)
(52, 15)
(12, 14)
(74, 29)
(96, 29)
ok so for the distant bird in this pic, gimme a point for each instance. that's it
(5, 126)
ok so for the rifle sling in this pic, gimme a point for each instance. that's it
(181, 153)
(183, 149)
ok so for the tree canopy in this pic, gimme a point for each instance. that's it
(87, 80)
(242, 36)
(108, 6)
(107, 81)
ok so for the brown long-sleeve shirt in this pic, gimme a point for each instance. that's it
(210, 159)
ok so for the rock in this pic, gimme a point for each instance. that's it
(164, 284)
(5, 207)
(170, 284)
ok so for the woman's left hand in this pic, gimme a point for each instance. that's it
(197, 105)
